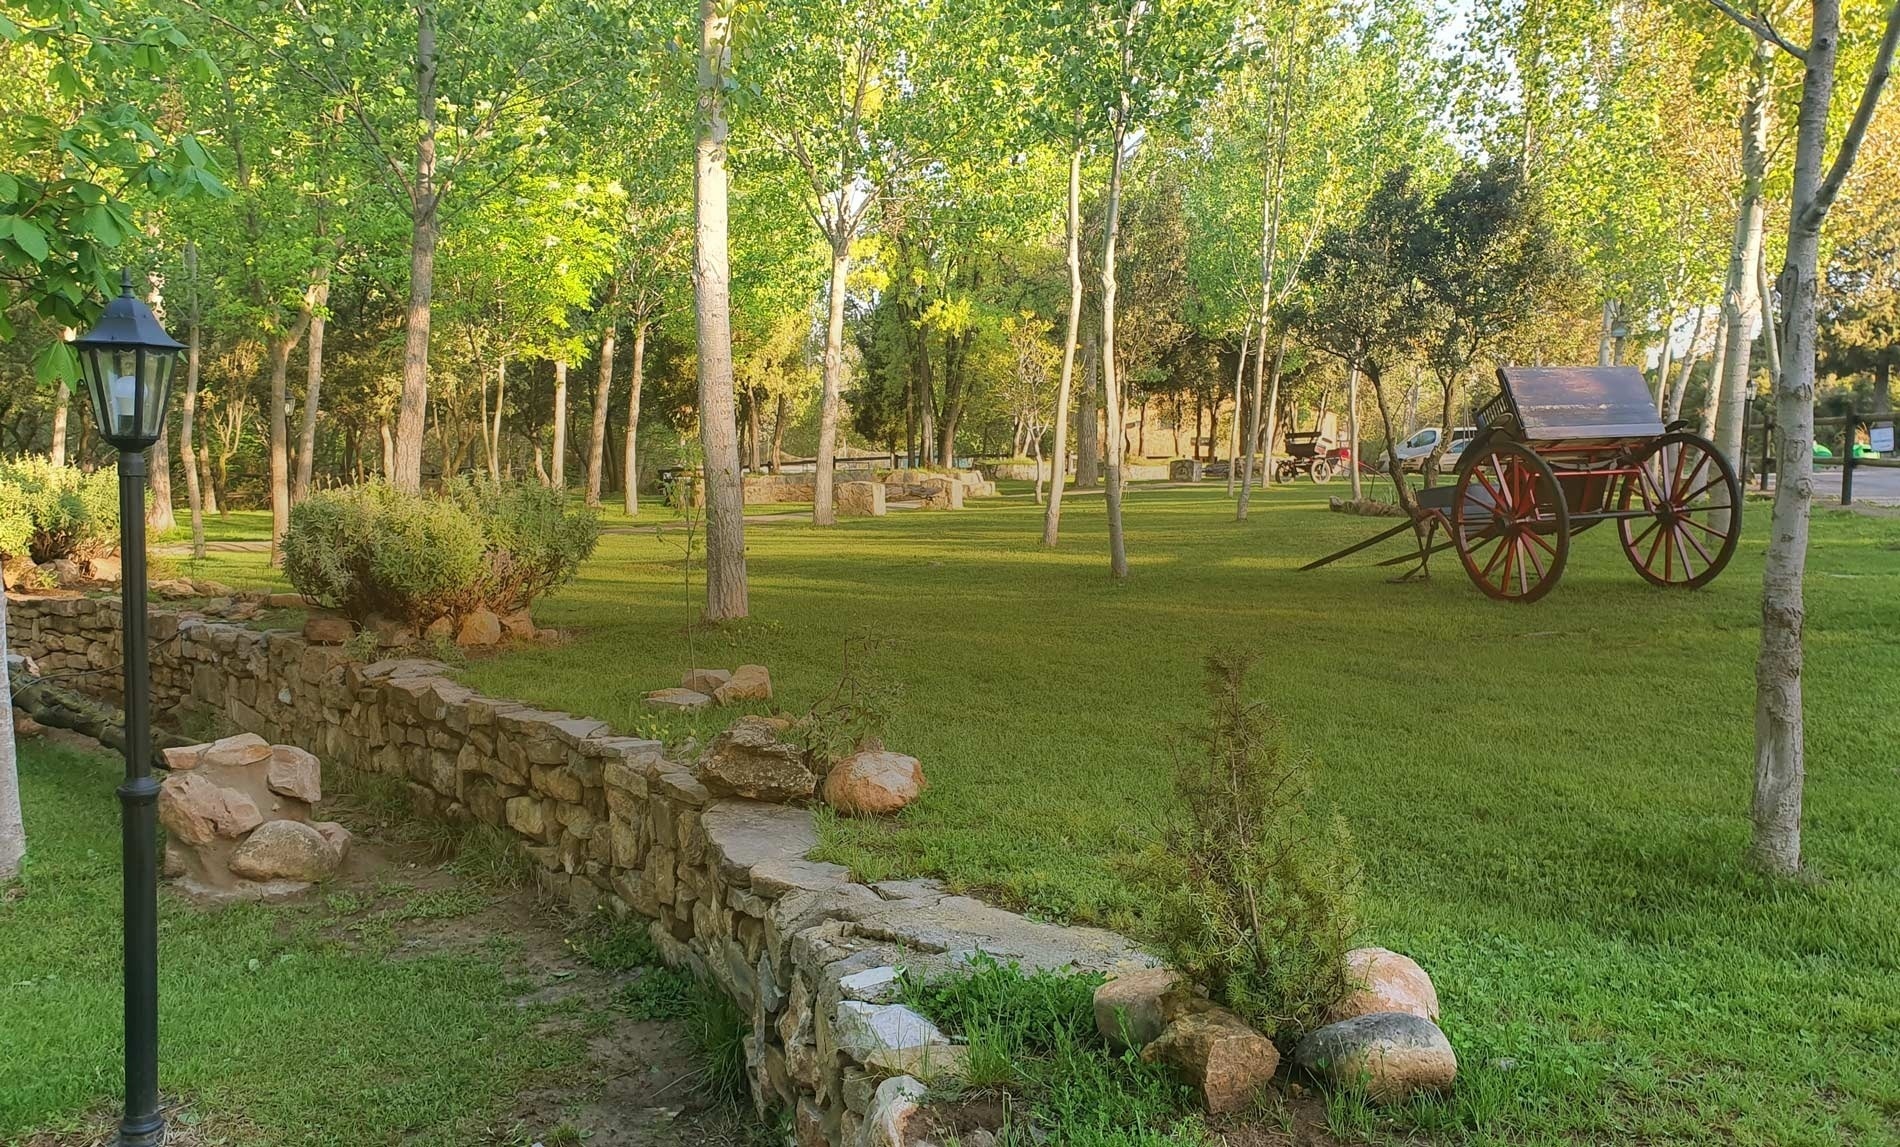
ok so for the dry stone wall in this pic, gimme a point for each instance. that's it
(609, 821)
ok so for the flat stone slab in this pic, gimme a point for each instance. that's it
(747, 834)
(862, 1030)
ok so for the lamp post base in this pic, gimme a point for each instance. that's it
(147, 1132)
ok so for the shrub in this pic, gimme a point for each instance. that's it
(534, 542)
(49, 512)
(1258, 892)
(373, 550)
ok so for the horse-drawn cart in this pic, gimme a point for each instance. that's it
(1309, 453)
(1559, 450)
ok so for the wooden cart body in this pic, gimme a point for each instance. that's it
(1560, 450)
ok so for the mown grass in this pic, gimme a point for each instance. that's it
(1551, 800)
(264, 1012)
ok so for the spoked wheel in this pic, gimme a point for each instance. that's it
(1509, 522)
(1322, 471)
(1690, 511)
(1285, 471)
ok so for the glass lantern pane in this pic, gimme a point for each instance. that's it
(157, 382)
(95, 371)
(123, 397)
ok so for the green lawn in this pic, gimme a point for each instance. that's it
(302, 1025)
(1550, 800)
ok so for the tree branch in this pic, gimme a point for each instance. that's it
(1856, 130)
(1759, 26)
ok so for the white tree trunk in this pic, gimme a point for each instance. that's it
(1233, 431)
(1741, 299)
(630, 468)
(1052, 513)
(824, 508)
(1111, 377)
(726, 595)
(62, 400)
(597, 432)
(188, 417)
(12, 824)
(558, 464)
(1352, 429)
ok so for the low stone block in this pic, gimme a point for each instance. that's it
(1218, 1055)
(1385, 981)
(748, 683)
(284, 850)
(704, 680)
(679, 699)
(860, 1029)
(1133, 1007)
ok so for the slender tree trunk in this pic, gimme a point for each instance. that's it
(824, 509)
(1742, 296)
(161, 517)
(210, 492)
(629, 466)
(597, 432)
(781, 416)
(389, 452)
(726, 596)
(1352, 428)
(1088, 429)
(1234, 430)
(1662, 364)
(1255, 413)
(494, 431)
(12, 823)
(1713, 391)
(1606, 342)
(187, 420)
(1111, 380)
(406, 468)
(558, 464)
(1779, 732)
(1059, 456)
(313, 387)
(1270, 416)
(278, 348)
(62, 401)
(1672, 402)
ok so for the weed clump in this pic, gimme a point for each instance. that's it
(1257, 888)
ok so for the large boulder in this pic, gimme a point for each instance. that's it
(748, 683)
(750, 760)
(198, 810)
(1214, 1052)
(873, 783)
(1385, 981)
(1392, 1055)
(285, 850)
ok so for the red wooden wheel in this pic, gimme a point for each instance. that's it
(1691, 508)
(1509, 522)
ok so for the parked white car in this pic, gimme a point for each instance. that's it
(1414, 450)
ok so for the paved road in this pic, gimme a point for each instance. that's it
(1878, 486)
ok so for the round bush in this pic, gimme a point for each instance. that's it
(49, 512)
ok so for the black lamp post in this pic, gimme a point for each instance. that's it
(127, 359)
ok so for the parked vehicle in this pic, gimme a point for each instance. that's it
(1414, 450)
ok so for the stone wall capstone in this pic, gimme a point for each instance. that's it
(610, 822)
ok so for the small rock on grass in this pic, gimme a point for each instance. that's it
(685, 700)
(320, 630)
(705, 681)
(748, 683)
(481, 628)
(1392, 1055)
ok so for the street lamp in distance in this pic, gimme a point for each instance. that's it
(126, 360)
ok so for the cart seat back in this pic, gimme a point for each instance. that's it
(1579, 403)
